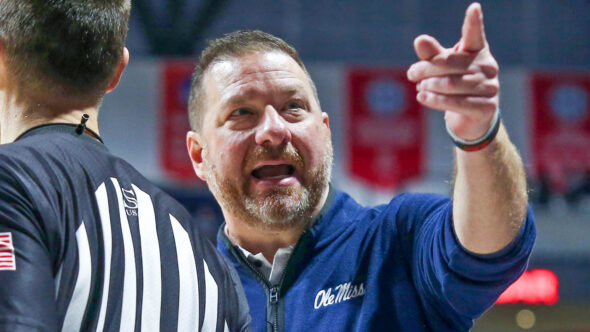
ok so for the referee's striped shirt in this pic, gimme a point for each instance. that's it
(91, 245)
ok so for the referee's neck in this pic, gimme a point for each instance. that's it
(16, 120)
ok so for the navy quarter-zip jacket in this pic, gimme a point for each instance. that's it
(393, 267)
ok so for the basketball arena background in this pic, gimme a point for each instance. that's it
(357, 53)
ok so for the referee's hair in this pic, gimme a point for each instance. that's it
(233, 45)
(64, 48)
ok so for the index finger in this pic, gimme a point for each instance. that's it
(472, 33)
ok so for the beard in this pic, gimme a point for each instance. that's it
(280, 208)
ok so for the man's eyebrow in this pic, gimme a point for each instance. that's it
(245, 96)
(241, 97)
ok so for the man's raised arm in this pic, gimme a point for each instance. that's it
(490, 197)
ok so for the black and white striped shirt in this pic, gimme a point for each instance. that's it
(97, 247)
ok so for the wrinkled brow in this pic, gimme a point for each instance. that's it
(251, 94)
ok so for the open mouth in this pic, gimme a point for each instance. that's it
(272, 172)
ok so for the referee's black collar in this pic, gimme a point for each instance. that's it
(66, 128)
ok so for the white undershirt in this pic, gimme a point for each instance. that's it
(272, 272)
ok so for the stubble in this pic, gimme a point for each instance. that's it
(281, 208)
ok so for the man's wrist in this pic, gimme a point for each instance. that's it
(479, 143)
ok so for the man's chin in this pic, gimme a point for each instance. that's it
(279, 211)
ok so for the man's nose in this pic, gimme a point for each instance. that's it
(272, 129)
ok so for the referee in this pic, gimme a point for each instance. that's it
(86, 242)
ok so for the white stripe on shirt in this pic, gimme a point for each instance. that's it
(188, 292)
(150, 253)
(107, 239)
(210, 320)
(79, 300)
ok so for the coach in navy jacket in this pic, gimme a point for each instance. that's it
(422, 262)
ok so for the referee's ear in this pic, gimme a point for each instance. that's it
(195, 153)
(119, 72)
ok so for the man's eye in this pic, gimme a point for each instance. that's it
(294, 105)
(241, 112)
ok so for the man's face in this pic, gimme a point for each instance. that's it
(267, 152)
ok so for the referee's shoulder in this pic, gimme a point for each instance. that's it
(17, 157)
(26, 149)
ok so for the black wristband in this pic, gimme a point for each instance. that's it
(479, 143)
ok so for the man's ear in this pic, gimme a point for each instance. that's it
(4, 79)
(120, 67)
(326, 119)
(195, 153)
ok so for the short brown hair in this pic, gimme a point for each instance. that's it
(68, 48)
(233, 45)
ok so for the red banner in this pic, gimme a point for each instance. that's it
(385, 127)
(561, 127)
(174, 120)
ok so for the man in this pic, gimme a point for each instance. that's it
(422, 262)
(87, 243)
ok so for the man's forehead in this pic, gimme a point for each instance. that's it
(252, 70)
(254, 63)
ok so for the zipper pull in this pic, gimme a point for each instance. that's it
(274, 295)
